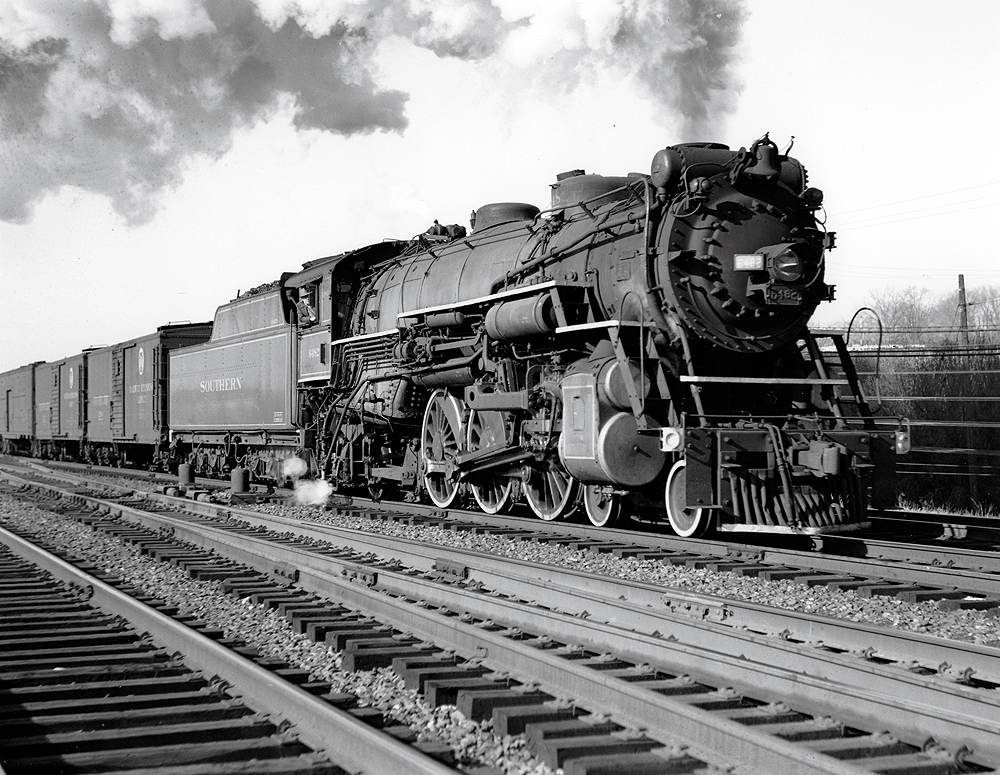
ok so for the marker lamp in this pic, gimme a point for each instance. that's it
(671, 439)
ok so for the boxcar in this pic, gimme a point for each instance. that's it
(127, 418)
(17, 410)
(232, 399)
(60, 406)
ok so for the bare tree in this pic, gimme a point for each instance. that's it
(918, 358)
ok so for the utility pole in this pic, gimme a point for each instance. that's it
(963, 318)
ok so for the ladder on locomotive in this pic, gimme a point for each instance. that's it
(834, 361)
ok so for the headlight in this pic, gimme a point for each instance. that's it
(786, 266)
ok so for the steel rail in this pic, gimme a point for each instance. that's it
(974, 711)
(494, 572)
(939, 519)
(691, 604)
(895, 699)
(979, 571)
(670, 720)
(852, 549)
(326, 729)
(893, 644)
(887, 564)
(940, 558)
(507, 576)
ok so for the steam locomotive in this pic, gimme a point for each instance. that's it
(640, 346)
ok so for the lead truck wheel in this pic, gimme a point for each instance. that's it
(687, 523)
(440, 442)
(603, 508)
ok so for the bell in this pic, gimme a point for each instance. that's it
(765, 163)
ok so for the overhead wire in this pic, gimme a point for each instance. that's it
(918, 198)
(868, 223)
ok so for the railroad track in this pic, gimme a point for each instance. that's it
(955, 576)
(964, 541)
(965, 531)
(81, 691)
(673, 679)
(91, 680)
(947, 537)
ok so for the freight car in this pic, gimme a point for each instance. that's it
(60, 391)
(17, 410)
(127, 408)
(106, 405)
(643, 343)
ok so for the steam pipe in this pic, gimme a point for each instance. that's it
(609, 223)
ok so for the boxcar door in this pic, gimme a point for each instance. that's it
(73, 382)
(138, 390)
(54, 406)
(118, 393)
(161, 368)
(132, 369)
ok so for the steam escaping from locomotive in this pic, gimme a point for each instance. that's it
(294, 468)
(308, 492)
(116, 97)
(312, 492)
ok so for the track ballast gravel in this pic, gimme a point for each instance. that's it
(473, 743)
(964, 625)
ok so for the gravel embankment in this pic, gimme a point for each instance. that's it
(970, 626)
(474, 744)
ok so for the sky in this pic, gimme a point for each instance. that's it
(159, 156)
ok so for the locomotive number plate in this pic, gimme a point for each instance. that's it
(786, 296)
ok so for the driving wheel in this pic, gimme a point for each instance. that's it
(488, 430)
(440, 442)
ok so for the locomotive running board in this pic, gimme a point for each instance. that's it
(598, 324)
(524, 290)
(363, 337)
(765, 380)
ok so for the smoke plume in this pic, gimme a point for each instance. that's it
(115, 96)
(689, 67)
